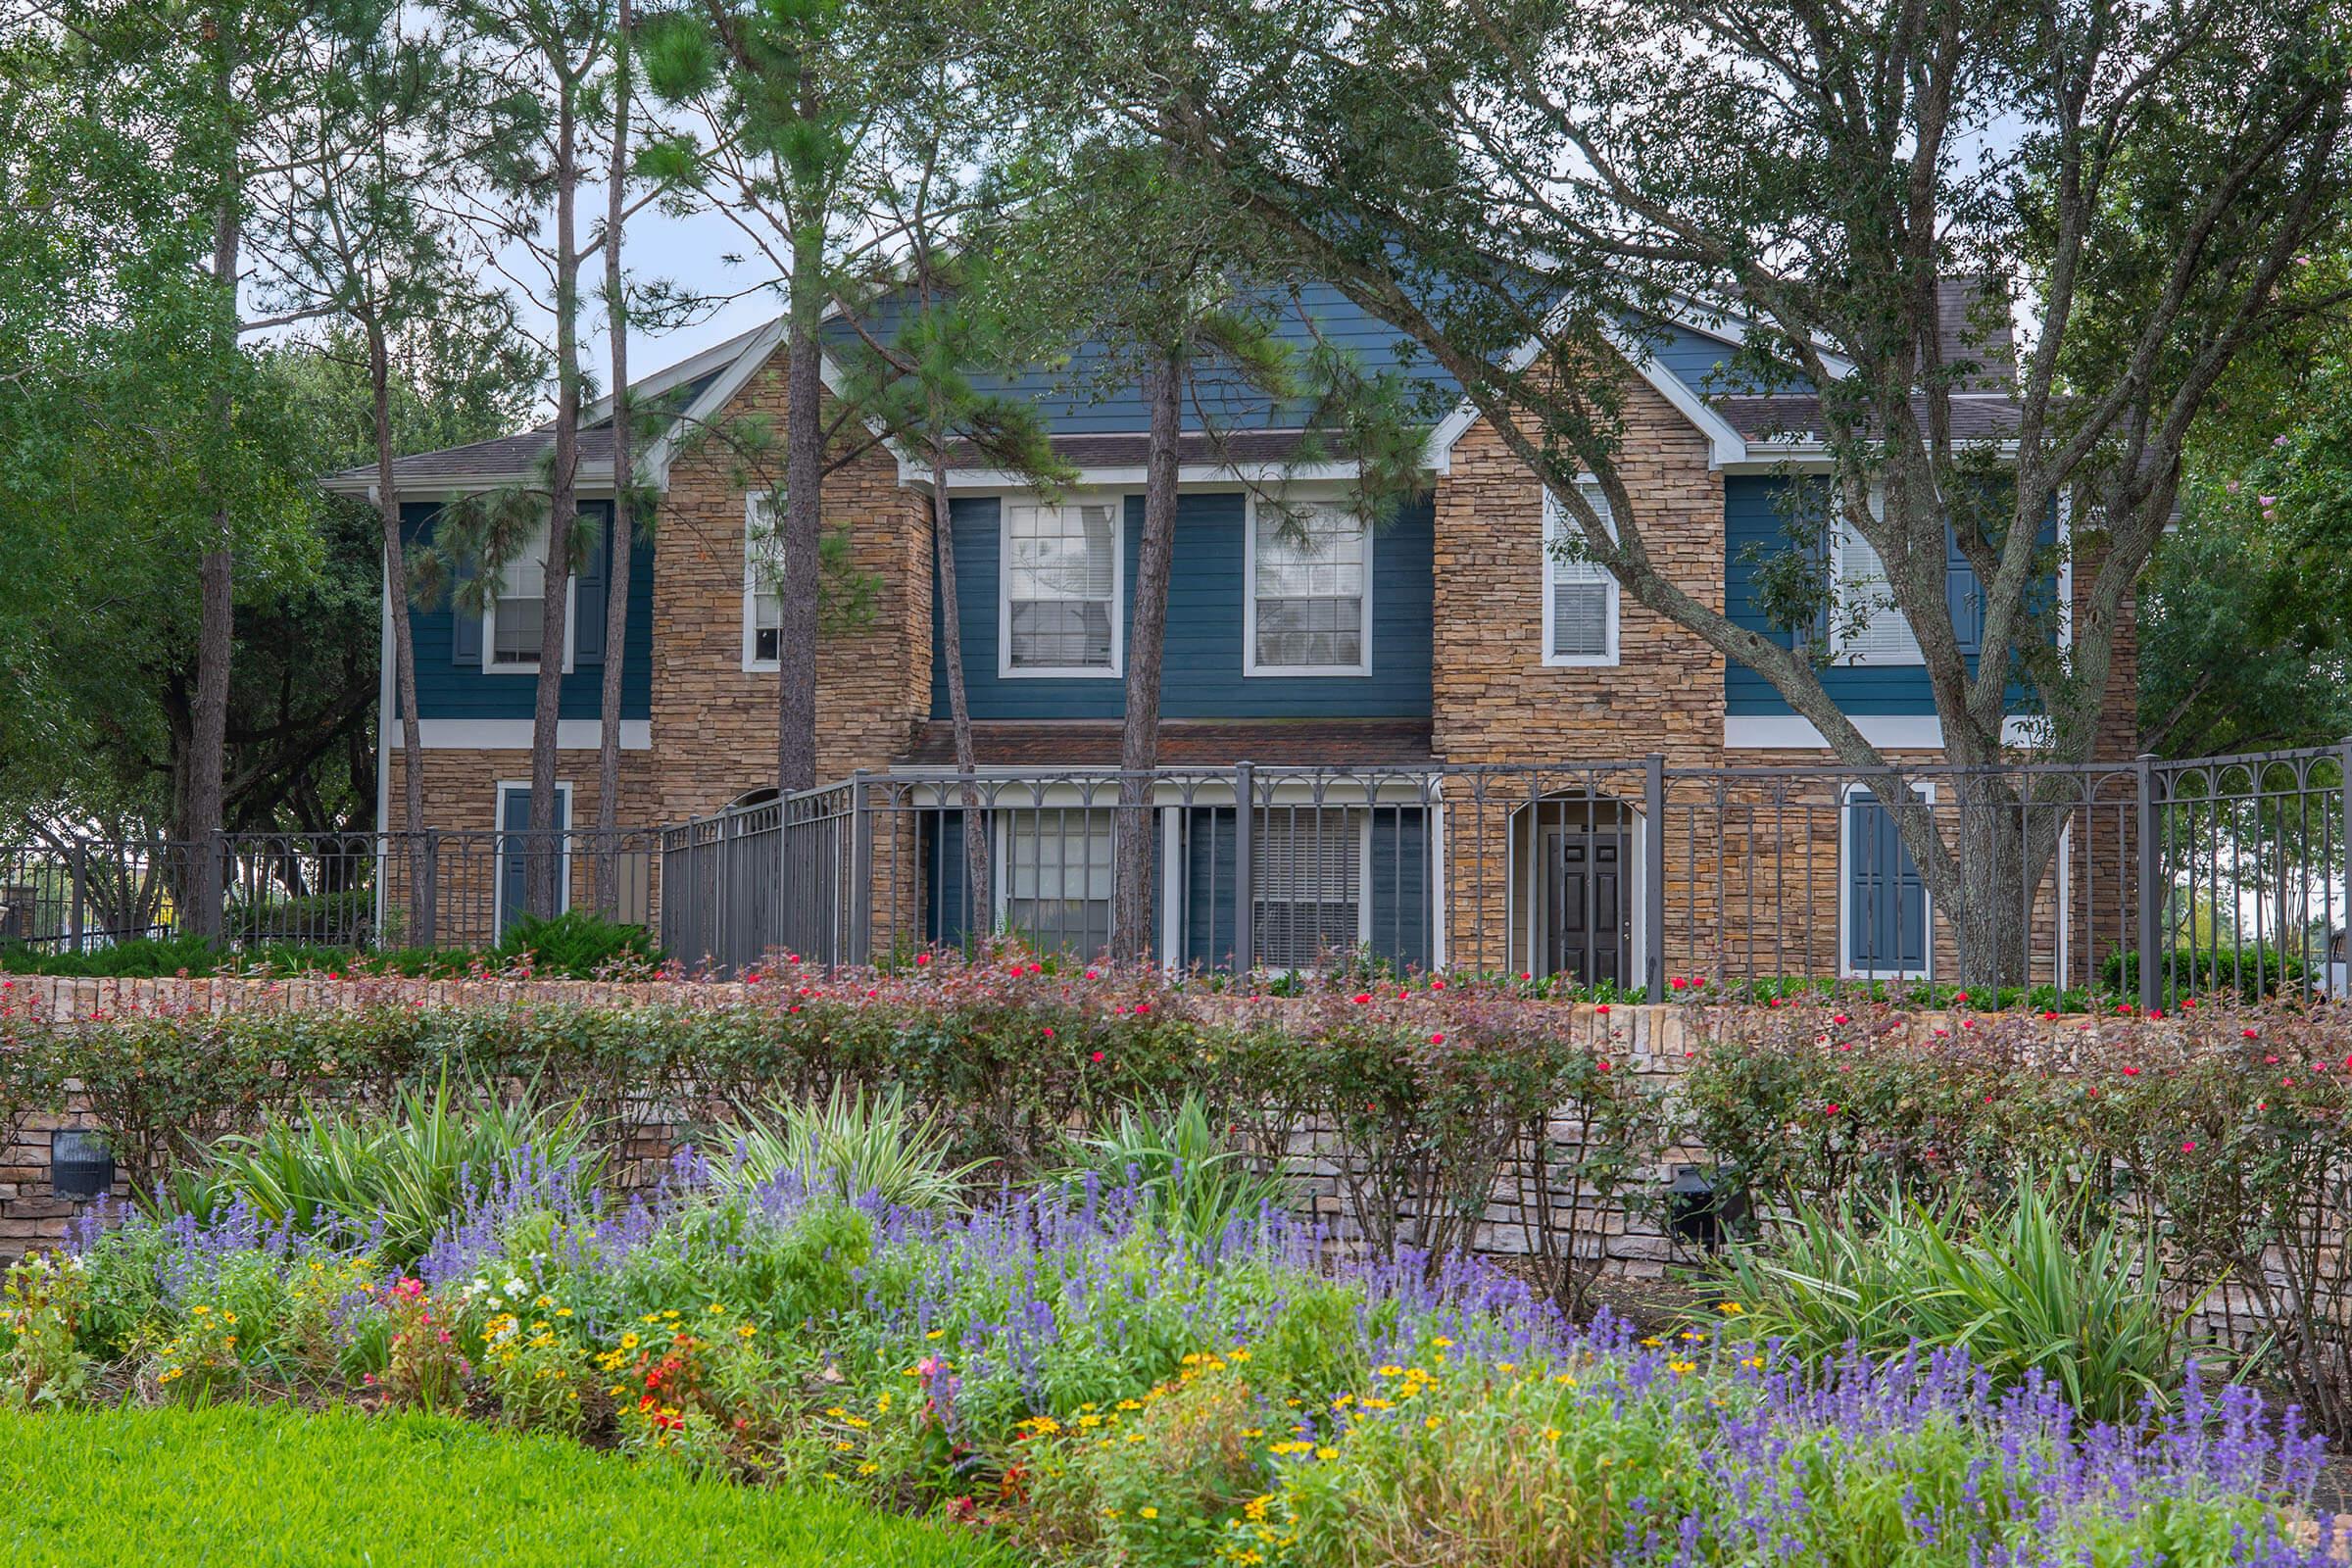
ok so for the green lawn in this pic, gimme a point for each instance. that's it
(241, 1486)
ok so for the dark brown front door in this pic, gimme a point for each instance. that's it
(1586, 936)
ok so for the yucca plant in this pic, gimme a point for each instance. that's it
(1187, 1175)
(397, 1176)
(848, 1144)
(2034, 1285)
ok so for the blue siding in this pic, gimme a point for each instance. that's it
(1754, 516)
(451, 683)
(1203, 674)
(1701, 361)
(1096, 391)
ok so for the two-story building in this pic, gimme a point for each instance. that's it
(1450, 726)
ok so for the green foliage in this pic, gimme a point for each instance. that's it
(330, 1489)
(2252, 971)
(850, 1145)
(391, 1180)
(1186, 1174)
(580, 943)
(2038, 1286)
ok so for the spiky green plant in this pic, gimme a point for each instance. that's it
(404, 1174)
(848, 1144)
(2037, 1283)
(1187, 1175)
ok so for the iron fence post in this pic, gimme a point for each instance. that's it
(1243, 908)
(859, 946)
(2343, 845)
(2149, 861)
(77, 920)
(1654, 873)
(428, 888)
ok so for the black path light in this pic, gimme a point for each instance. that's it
(82, 1166)
(1694, 1208)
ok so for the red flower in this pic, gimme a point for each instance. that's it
(1831, 1108)
(1048, 1031)
(1959, 996)
(2267, 1061)
(1438, 1039)
(1436, 985)
(1362, 997)
(1096, 1056)
(921, 958)
(2049, 1017)
(2155, 1013)
(2122, 1006)
(2189, 1002)
(1839, 1018)
(2131, 1072)
(2188, 1146)
(1604, 1007)
(1604, 1067)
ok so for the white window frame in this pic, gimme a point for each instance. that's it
(499, 831)
(1556, 529)
(1363, 822)
(572, 618)
(1116, 670)
(757, 512)
(1842, 654)
(1845, 894)
(1250, 667)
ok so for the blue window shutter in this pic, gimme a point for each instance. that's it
(1962, 596)
(515, 854)
(466, 630)
(588, 637)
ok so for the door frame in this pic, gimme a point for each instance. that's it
(498, 861)
(1847, 968)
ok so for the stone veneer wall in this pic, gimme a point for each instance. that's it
(714, 723)
(461, 791)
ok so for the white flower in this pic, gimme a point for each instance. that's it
(515, 1286)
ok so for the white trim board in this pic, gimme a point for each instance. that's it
(514, 734)
(1793, 732)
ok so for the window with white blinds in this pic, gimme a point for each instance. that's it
(1058, 878)
(513, 622)
(1580, 597)
(1310, 592)
(1062, 583)
(1868, 628)
(763, 571)
(1305, 884)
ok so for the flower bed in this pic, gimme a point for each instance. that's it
(1058, 1369)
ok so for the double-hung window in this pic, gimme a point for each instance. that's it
(762, 573)
(1579, 596)
(1305, 884)
(1311, 592)
(1867, 628)
(514, 620)
(1061, 587)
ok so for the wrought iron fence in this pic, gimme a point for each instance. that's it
(2146, 878)
(67, 893)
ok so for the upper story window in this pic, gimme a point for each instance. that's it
(1311, 592)
(1061, 589)
(1866, 627)
(514, 620)
(1579, 596)
(762, 570)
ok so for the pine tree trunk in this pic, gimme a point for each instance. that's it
(1131, 920)
(803, 480)
(207, 750)
(543, 855)
(404, 640)
(616, 606)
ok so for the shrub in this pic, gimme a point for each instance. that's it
(1186, 1174)
(2035, 1290)
(393, 1180)
(580, 944)
(850, 1146)
(343, 920)
(2251, 973)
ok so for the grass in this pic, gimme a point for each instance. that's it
(258, 1486)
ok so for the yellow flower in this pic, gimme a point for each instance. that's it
(715, 1309)
(1730, 1308)
(1327, 1452)
(1431, 1424)
(936, 1334)
(628, 1341)
(1392, 1370)
(1148, 1513)
(1443, 1343)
